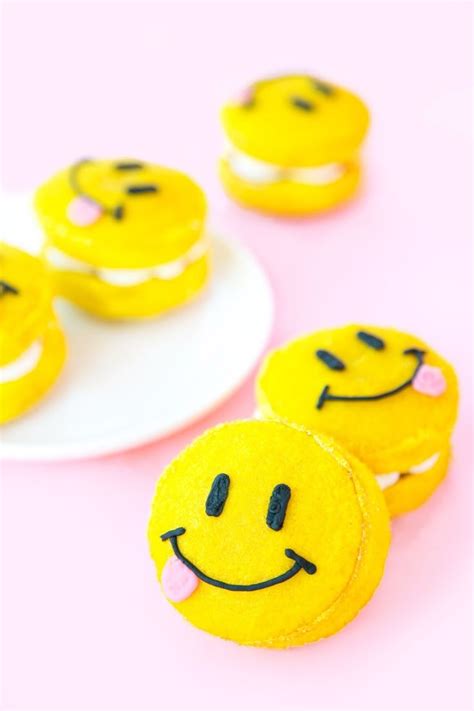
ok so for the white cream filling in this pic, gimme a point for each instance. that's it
(386, 480)
(128, 277)
(260, 172)
(22, 365)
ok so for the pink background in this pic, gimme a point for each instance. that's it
(85, 625)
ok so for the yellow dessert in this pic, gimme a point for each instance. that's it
(294, 144)
(267, 535)
(385, 395)
(32, 345)
(124, 239)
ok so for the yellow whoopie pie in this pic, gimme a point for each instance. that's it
(385, 395)
(125, 239)
(267, 535)
(32, 345)
(294, 145)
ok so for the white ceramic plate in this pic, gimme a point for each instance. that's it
(126, 384)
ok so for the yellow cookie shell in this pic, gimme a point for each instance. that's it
(412, 491)
(388, 420)
(124, 238)
(294, 145)
(32, 345)
(310, 571)
(287, 198)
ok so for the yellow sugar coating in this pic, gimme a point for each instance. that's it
(273, 130)
(156, 228)
(19, 396)
(412, 491)
(270, 125)
(391, 434)
(22, 317)
(141, 301)
(336, 518)
(25, 317)
(287, 198)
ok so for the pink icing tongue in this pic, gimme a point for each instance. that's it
(429, 380)
(177, 581)
(83, 212)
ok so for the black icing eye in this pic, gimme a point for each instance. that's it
(414, 351)
(128, 166)
(218, 495)
(323, 88)
(142, 189)
(7, 288)
(277, 506)
(330, 360)
(370, 340)
(303, 104)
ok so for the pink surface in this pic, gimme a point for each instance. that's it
(84, 623)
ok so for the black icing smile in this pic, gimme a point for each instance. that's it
(299, 564)
(326, 396)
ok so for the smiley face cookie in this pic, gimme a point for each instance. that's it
(267, 535)
(294, 145)
(385, 395)
(32, 345)
(124, 238)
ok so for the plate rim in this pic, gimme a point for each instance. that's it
(116, 444)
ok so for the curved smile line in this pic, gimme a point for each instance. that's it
(326, 395)
(300, 564)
